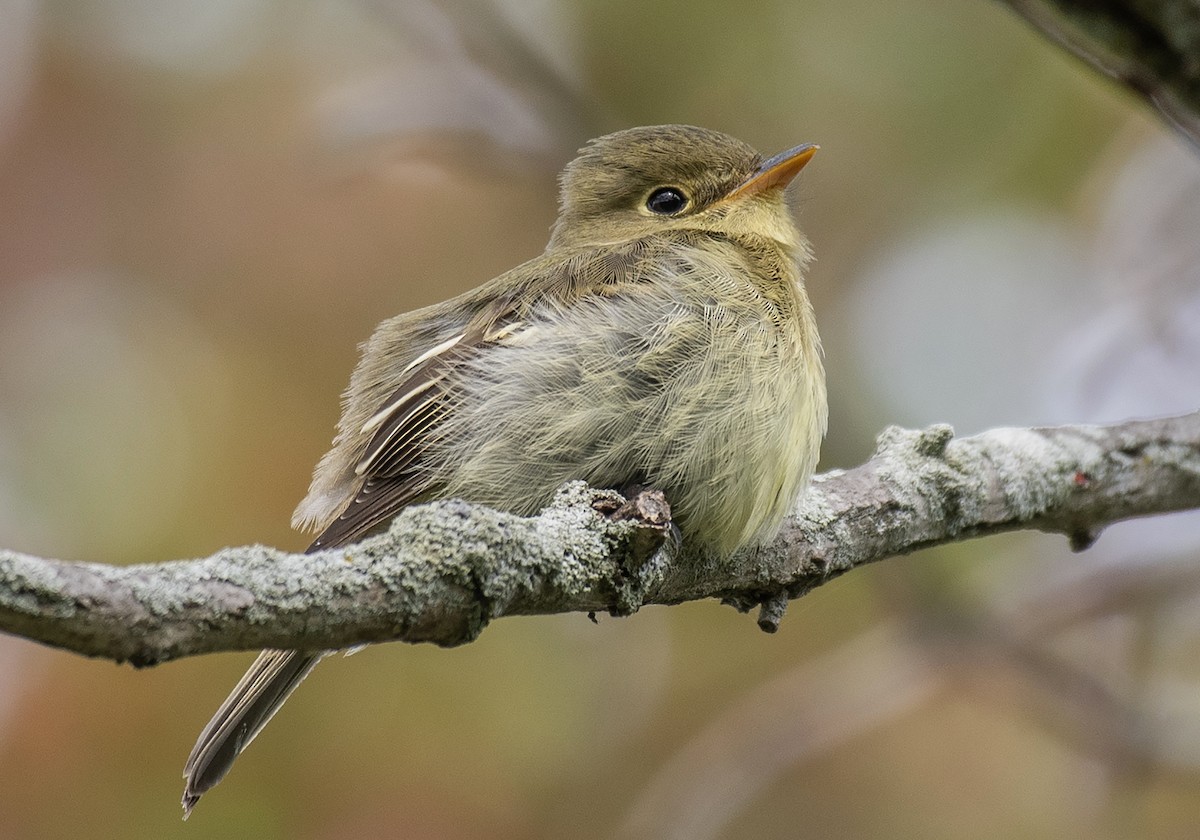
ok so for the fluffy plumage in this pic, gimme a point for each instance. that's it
(671, 350)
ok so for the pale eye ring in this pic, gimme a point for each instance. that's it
(666, 201)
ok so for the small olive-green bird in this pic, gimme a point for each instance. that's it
(663, 339)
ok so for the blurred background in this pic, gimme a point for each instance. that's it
(206, 204)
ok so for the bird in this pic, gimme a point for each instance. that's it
(663, 339)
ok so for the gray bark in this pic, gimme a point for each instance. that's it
(444, 570)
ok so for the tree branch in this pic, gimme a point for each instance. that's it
(446, 569)
(1151, 46)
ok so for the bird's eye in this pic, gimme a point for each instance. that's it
(666, 201)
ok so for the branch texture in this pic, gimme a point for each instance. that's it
(1151, 46)
(446, 569)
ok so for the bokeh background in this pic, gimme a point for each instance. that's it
(206, 204)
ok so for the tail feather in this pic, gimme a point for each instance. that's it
(251, 704)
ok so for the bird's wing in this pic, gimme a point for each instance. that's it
(391, 466)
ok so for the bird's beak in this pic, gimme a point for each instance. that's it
(775, 172)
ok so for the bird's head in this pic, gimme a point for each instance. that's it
(654, 179)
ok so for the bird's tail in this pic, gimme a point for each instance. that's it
(253, 702)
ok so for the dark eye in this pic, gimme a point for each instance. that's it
(666, 201)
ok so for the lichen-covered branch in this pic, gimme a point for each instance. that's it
(444, 570)
(1151, 46)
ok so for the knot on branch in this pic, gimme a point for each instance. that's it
(930, 442)
(646, 541)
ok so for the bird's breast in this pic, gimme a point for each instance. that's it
(686, 377)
